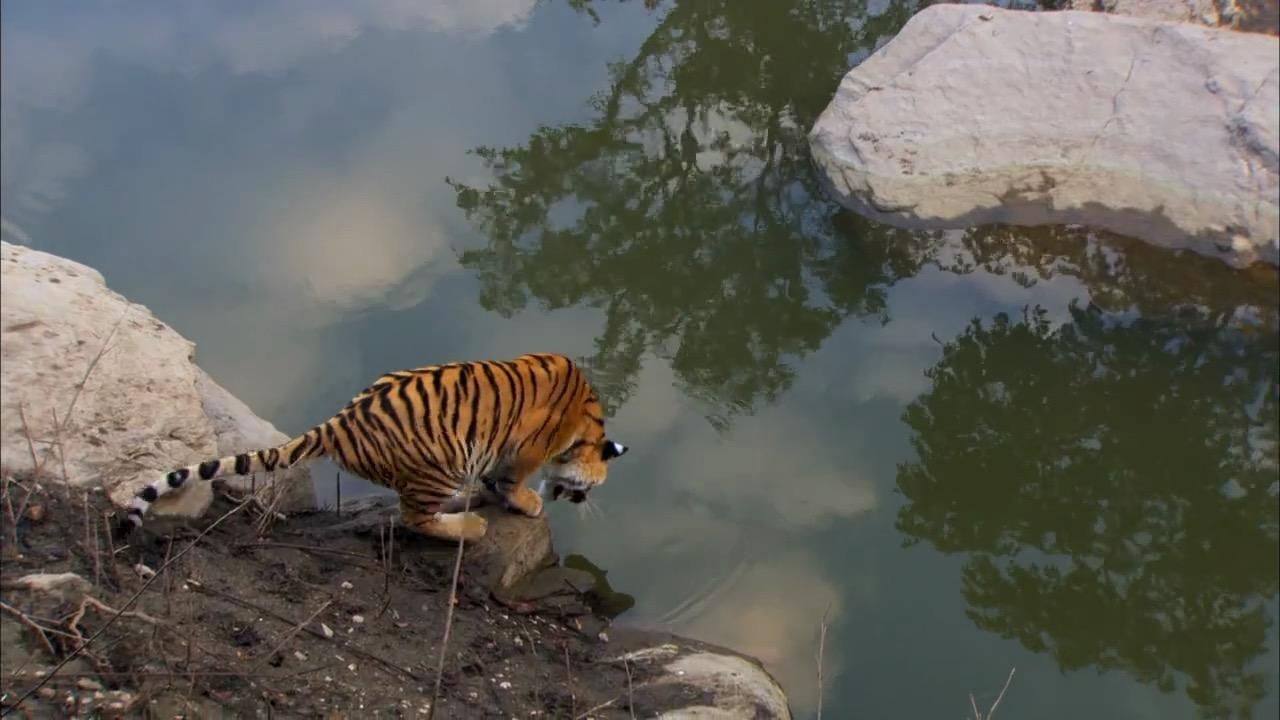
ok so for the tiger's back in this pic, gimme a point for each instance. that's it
(426, 432)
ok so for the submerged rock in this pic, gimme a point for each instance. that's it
(145, 406)
(1168, 132)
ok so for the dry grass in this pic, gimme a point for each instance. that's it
(448, 615)
(822, 645)
(973, 704)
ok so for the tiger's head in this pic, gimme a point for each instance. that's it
(584, 465)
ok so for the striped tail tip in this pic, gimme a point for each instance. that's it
(131, 521)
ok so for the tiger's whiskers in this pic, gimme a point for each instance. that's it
(588, 509)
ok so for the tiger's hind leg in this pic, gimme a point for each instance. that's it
(444, 525)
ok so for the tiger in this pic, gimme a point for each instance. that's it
(430, 431)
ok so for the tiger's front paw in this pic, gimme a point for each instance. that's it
(525, 501)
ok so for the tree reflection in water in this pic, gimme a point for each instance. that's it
(1111, 477)
(687, 209)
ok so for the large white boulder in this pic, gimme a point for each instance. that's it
(145, 407)
(1169, 132)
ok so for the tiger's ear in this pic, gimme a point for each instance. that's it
(612, 450)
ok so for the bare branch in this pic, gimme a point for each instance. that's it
(991, 711)
(448, 617)
(290, 635)
(37, 627)
(822, 644)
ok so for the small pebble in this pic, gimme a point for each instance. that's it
(346, 585)
(85, 683)
(357, 619)
(302, 657)
(504, 685)
(328, 632)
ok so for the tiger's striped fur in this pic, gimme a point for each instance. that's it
(426, 432)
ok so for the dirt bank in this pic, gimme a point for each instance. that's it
(290, 620)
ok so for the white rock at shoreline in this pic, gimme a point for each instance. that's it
(701, 681)
(1168, 132)
(145, 408)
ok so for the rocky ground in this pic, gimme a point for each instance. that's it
(221, 615)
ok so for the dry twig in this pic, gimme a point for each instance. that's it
(31, 446)
(89, 370)
(111, 547)
(597, 708)
(95, 603)
(36, 467)
(991, 710)
(822, 644)
(8, 509)
(631, 703)
(448, 618)
(289, 636)
(309, 548)
(573, 696)
(37, 627)
(388, 550)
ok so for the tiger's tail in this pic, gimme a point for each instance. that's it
(305, 447)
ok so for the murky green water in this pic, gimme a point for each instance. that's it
(973, 451)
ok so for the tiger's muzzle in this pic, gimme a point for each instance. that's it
(575, 494)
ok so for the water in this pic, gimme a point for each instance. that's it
(972, 451)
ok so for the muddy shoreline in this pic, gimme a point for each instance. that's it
(279, 621)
